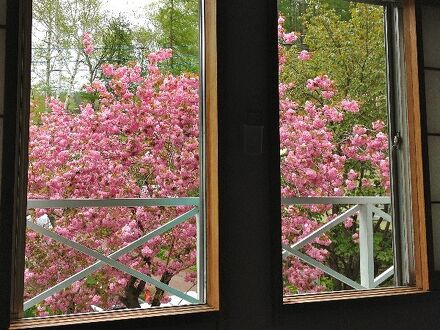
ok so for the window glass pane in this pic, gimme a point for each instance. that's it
(114, 143)
(334, 147)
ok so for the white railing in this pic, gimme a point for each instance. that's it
(366, 208)
(112, 258)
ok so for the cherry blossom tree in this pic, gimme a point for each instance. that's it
(137, 136)
(326, 150)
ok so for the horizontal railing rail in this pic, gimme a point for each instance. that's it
(343, 200)
(116, 202)
(366, 207)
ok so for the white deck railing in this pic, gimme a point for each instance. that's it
(366, 207)
(112, 258)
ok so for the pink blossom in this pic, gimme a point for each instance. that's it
(351, 185)
(350, 106)
(143, 121)
(366, 183)
(378, 125)
(352, 175)
(359, 130)
(304, 55)
(160, 55)
(290, 37)
(348, 223)
(107, 69)
(140, 139)
(328, 94)
(87, 43)
(355, 238)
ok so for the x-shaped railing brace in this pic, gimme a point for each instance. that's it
(110, 260)
(294, 248)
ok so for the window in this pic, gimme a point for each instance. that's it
(345, 149)
(249, 205)
(83, 239)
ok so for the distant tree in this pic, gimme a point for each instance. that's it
(117, 41)
(175, 25)
(57, 42)
(114, 45)
(293, 11)
(47, 16)
(350, 51)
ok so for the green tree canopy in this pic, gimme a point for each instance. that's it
(175, 25)
(351, 52)
(117, 41)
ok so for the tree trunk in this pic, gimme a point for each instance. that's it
(132, 293)
(158, 295)
(48, 58)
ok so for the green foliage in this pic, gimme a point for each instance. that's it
(293, 10)
(91, 281)
(351, 52)
(31, 312)
(383, 249)
(175, 25)
(38, 106)
(327, 282)
(117, 42)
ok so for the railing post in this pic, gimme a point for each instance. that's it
(200, 258)
(366, 246)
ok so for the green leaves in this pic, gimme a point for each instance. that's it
(176, 26)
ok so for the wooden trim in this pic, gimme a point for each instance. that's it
(348, 295)
(212, 230)
(212, 253)
(416, 177)
(87, 318)
(21, 144)
(415, 144)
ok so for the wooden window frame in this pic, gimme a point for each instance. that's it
(416, 177)
(213, 304)
(209, 83)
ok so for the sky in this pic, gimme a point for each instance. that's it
(130, 8)
(125, 5)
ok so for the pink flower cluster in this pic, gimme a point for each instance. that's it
(160, 55)
(370, 146)
(284, 37)
(87, 43)
(304, 55)
(322, 84)
(350, 106)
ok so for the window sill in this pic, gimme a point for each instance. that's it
(349, 295)
(74, 319)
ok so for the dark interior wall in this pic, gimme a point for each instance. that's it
(2, 88)
(249, 197)
(431, 71)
